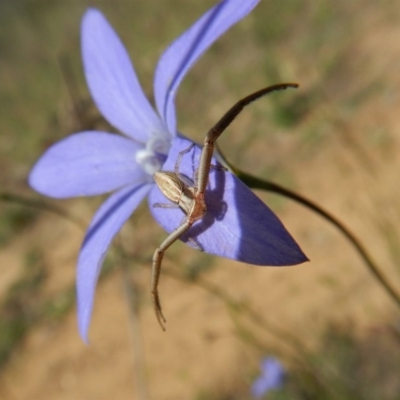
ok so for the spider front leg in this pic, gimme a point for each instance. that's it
(179, 158)
(156, 267)
(215, 132)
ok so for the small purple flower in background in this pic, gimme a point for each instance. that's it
(93, 162)
(272, 377)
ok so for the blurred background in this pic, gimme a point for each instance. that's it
(335, 140)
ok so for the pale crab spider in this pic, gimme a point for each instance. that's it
(190, 199)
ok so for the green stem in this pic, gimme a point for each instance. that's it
(8, 197)
(257, 183)
(269, 186)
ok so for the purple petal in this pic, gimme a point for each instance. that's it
(273, 370)
(112, 80)
(238, 225)
(260, 387)
(184, 51)
(106, 223)
(272, 377)
(85, 164)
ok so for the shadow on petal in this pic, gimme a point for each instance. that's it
(238, 225)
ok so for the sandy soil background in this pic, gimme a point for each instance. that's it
(336, 140)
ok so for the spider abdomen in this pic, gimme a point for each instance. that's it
(170, 185)
(176, 191)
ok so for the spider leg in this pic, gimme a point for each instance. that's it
(191, 198)
(215, 132)
(156, 267)
(195, 244)
(165, 205)
(179, 159)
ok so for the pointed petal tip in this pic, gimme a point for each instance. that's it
(84, 336)
(92, 11)
(39, 183)
(84, 311)
(83, 327)
(296, 255)
(31, 179)
(90, 16)
(302, 258)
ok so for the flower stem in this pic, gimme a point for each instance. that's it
(257, 183)
(9, 197)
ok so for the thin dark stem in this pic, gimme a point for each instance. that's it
(269, 186)
(8, 197)
(257, 183)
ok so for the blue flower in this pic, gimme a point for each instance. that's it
(272, 377)
(238, 225)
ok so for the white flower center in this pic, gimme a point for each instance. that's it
(154, 155)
